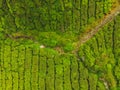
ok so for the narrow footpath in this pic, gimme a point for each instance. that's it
(93, 31)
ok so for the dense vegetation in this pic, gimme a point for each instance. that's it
(25, 25)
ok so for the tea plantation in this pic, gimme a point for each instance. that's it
(39, 38)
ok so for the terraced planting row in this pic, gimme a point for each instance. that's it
(100, 55)
(58, 16)
(26, 68)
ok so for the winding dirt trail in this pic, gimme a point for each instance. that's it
(94, 30)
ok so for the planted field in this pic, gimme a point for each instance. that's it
(41, 45)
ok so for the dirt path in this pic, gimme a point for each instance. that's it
(93, 31)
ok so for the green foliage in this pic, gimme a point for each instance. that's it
(91, 19)
(101, 86)
(83, 78)
(117, 72)
(89, 59)
(85, 2)
(57, 24)
(68, 47)
(49, 39)
(92, 81)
